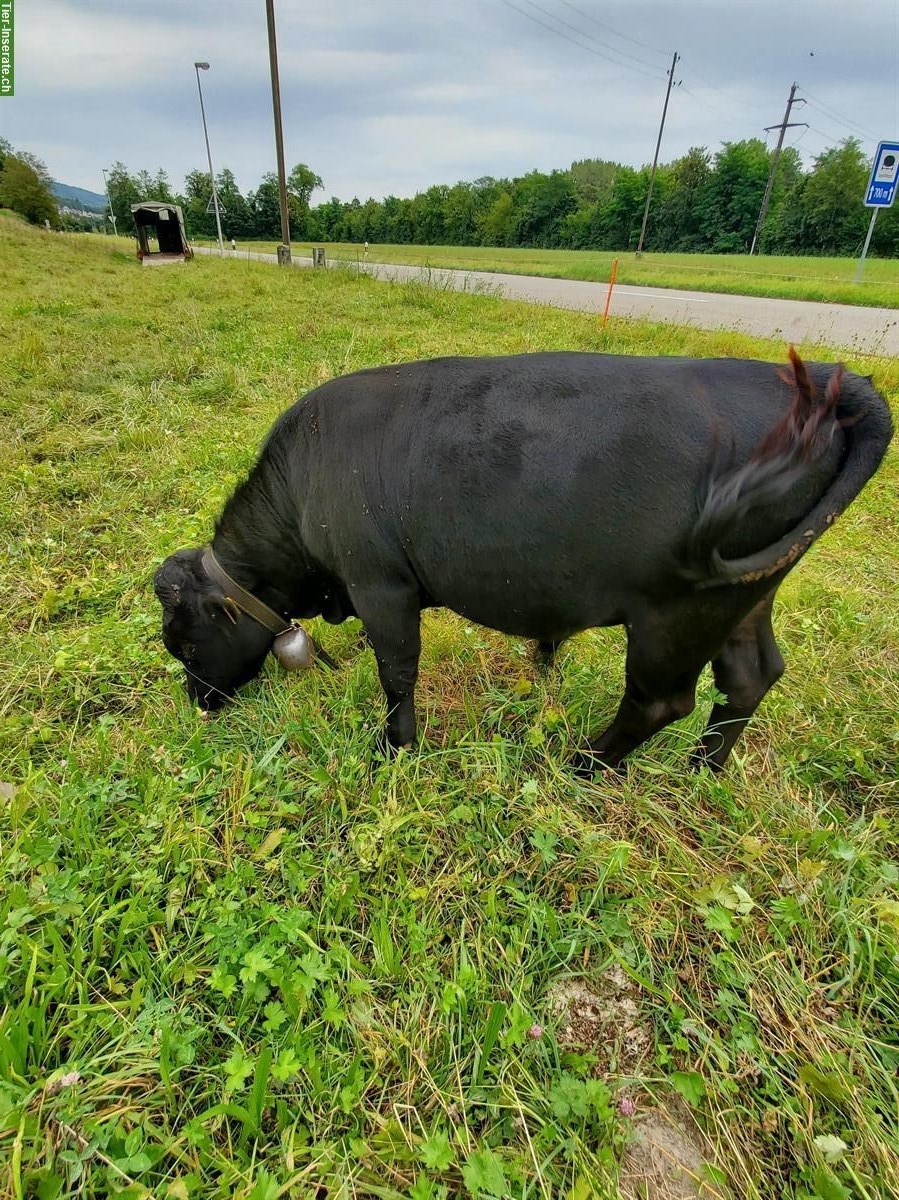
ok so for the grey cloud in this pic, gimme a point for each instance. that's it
(394, 96)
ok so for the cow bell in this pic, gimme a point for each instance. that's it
(293, 649)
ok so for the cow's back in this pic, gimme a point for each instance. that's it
(529, 491)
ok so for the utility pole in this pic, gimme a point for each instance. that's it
(284, 248)
(783, 127)
(652, 177)
(198, 67)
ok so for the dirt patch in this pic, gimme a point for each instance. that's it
(665, 1159)
(603, 1017)
(666, 1155)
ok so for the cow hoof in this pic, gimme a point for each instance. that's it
(700, 759)
(587, 763)
(387, 749)
(585, 766)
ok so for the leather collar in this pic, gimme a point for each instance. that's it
(245, 601)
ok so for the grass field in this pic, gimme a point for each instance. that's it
(827, 279)
(245, 958)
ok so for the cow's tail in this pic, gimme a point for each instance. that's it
(783, 457)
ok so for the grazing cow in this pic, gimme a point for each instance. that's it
(540, 495)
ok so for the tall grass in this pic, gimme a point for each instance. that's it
(245, 957)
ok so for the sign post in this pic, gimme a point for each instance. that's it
(881, 190)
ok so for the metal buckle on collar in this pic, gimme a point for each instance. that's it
(293, 648)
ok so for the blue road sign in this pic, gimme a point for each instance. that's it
(884, 174)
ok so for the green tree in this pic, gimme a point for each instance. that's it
(265, 204)
(834, 216)
(460, 213)
(362, 221)
(237, 218)
(123, 192)
(154, 187)
(730, 202)
(301, 183)
(354, 221)
(426, 216)
(497, 224)
(788, 185)
(678, 220)
(396, 220)
(194, 204)
(577, 230)
(593, 179)
(542, 202)
(785, 230)
(618, 220)
(327, 222)
(24, 187)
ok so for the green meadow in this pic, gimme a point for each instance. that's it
(245, 957)
(831, 280)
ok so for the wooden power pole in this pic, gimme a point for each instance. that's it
(652, 177)
(783, 127)
(284, 248)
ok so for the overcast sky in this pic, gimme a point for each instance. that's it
(390, 96)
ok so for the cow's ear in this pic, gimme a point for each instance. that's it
(174, 581)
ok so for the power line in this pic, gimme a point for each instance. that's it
(707, 105)
(649, 67)
(835, 115)
(558, 32)
(740, 104)
(597, 41)
(795, 142)
(830, 139)
(609, 29)
(855, 130)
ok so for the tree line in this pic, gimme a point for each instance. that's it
(702, 202)
(254, 216)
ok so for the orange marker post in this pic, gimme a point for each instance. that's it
(605, 315)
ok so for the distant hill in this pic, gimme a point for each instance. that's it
(77, 197)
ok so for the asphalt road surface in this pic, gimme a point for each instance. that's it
(847, 326)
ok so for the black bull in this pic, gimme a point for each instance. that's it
(540, 495)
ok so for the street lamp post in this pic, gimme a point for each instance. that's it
(109, 202)
(204, 66)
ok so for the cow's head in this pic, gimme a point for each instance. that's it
(220, 646)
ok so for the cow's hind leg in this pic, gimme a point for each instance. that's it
(745, 667)
(663, 664)
(545, 654)
(392, 617)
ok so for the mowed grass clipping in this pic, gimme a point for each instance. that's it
(789, 277)
(244, 957)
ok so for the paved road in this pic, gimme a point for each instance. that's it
(848, 326)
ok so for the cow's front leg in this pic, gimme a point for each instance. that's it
(392, 616)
